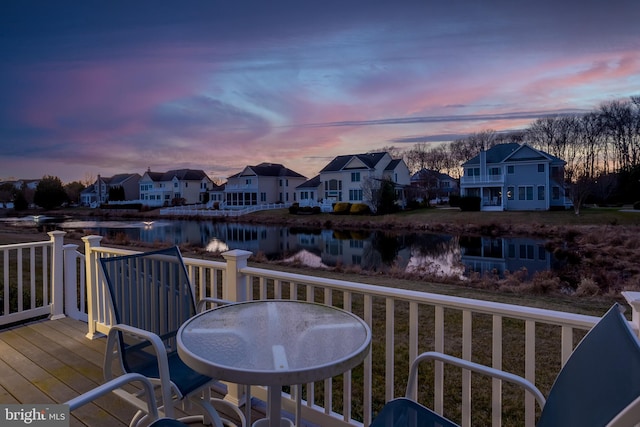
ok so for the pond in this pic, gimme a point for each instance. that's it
(434, 254)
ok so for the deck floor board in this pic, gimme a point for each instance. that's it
(52, 362)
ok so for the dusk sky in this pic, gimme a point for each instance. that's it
(107, 87)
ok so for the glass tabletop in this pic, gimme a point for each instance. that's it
(274, 342)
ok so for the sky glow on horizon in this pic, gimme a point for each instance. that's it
(118, 87)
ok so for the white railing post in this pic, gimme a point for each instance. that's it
(57, 276)
(235, 288)
(92, 280)
(71, 282)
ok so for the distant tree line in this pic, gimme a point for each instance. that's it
(49, 194)
(601, 148)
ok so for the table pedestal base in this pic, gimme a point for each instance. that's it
(284, 422)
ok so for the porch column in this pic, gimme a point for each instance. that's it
(91, 265)
(57, 274)
(235, 287)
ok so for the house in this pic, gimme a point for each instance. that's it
(98, 192)
(349, 178)
(179, 186)
(430, 184)
(515, 177)
(216, 194)
(262, 184)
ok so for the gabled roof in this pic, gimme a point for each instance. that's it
(181, 174)
(184, 175)
(505, 152)
(370, 160)
(120, 178)
(270, 169)
(393, 164)
(90, 189)
(428, 173)
(312, 183)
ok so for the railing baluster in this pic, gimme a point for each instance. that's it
(19, 276)
(466, 374)
(496, 362)
(389, 348)
(438, 374)
(32, 277)
(530, 370)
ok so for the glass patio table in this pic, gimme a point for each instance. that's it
(274, 343)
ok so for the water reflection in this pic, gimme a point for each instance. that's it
(424, 254)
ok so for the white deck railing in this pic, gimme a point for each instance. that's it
(404, 323)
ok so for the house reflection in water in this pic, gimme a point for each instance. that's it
(497, 255)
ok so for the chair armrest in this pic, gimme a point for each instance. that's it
(116, 383)
(161, 356)
(475, 367)
(629, 416)
(201, 305)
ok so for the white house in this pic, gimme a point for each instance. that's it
(262, 184)
(187, 186)
(347, 178)
(515, 177)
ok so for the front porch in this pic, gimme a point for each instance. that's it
(54, 360)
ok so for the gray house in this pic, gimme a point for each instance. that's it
(515, 177)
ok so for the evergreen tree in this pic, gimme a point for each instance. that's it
(50, 193)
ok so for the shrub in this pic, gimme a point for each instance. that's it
(454, 201)
(636, 205)
(470, 203)
(359, 209)
(293, 209)
(341, 208)
(587, 287)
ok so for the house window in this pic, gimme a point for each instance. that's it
(541, 167)
(263, 197)
(494, 171)
(175, 184)
(355, 176)
(247, 181)
(541, 191)
(510, 169)
(355, 195)
(445, 184)
(525, 192)
(555, 193)
(473, 172)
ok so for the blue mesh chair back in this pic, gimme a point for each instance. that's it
(601, 377)
(149, 291)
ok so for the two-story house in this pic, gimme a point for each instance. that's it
(98, 192)
(434, 185)
(515, 177)
(262, 184)
(346, 179)
(187, 186)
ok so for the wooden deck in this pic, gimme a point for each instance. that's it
(51, 361)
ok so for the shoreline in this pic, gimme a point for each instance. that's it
(598, 251)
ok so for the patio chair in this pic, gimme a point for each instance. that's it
(151, 297)
(118, 382)
(599, 382)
